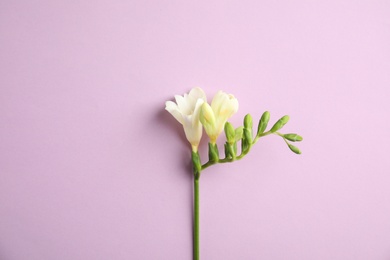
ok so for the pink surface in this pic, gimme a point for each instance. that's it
(92, 167)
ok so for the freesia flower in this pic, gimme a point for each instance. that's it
(214, 117)
(186, 111)
(193, 111)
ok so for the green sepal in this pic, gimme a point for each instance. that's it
(263, 123)
(248, 123)
(213, 153)
(294, 148)
(279, 124)
(230, 133)
(293, 137)
(196, 164)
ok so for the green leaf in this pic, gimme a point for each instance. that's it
(279, 124)
(263, 123)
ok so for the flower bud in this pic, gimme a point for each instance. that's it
(230, 133)
(229, 151)
(246, 142)
(293, 137)
(239, 133)
(207, 118)
(248, 122)
(294, 149)
(279, 124)
(244, 147)
(235, 148)
(263, 123)
(247, 135)
(214, 117)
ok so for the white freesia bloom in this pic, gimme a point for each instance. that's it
(215, 116)
(186, 111)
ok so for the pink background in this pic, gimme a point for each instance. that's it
(92, 167)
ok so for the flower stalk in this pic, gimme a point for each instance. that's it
(197, 168)
(196, 219)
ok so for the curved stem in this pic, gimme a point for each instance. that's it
(226, 160)
(196, 219)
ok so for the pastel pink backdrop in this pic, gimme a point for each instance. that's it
(92, 167)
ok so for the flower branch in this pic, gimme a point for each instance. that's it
(237, 135)
(194, 113)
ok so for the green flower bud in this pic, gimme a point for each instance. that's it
(230, 133)
(213, 153)
(293, 137)
(263, 123)
(238, 133)
(247, 135)
(246, 142)
(248, 122)
(294, 149)
(244, 146)
(229, 151)
(196, 164)
(279, 124)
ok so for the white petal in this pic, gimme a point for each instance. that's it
(207, 117)
(193, 96)
(219, 100)
(172, 108)
(183, 105)
(195, 118)
(197, 93)
(234, 103)
(224, 106)
(193, 132)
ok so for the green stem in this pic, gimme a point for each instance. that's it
(227, 160)
(196, 219)
(261, 135)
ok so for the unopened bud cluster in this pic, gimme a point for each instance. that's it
(244, 134)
